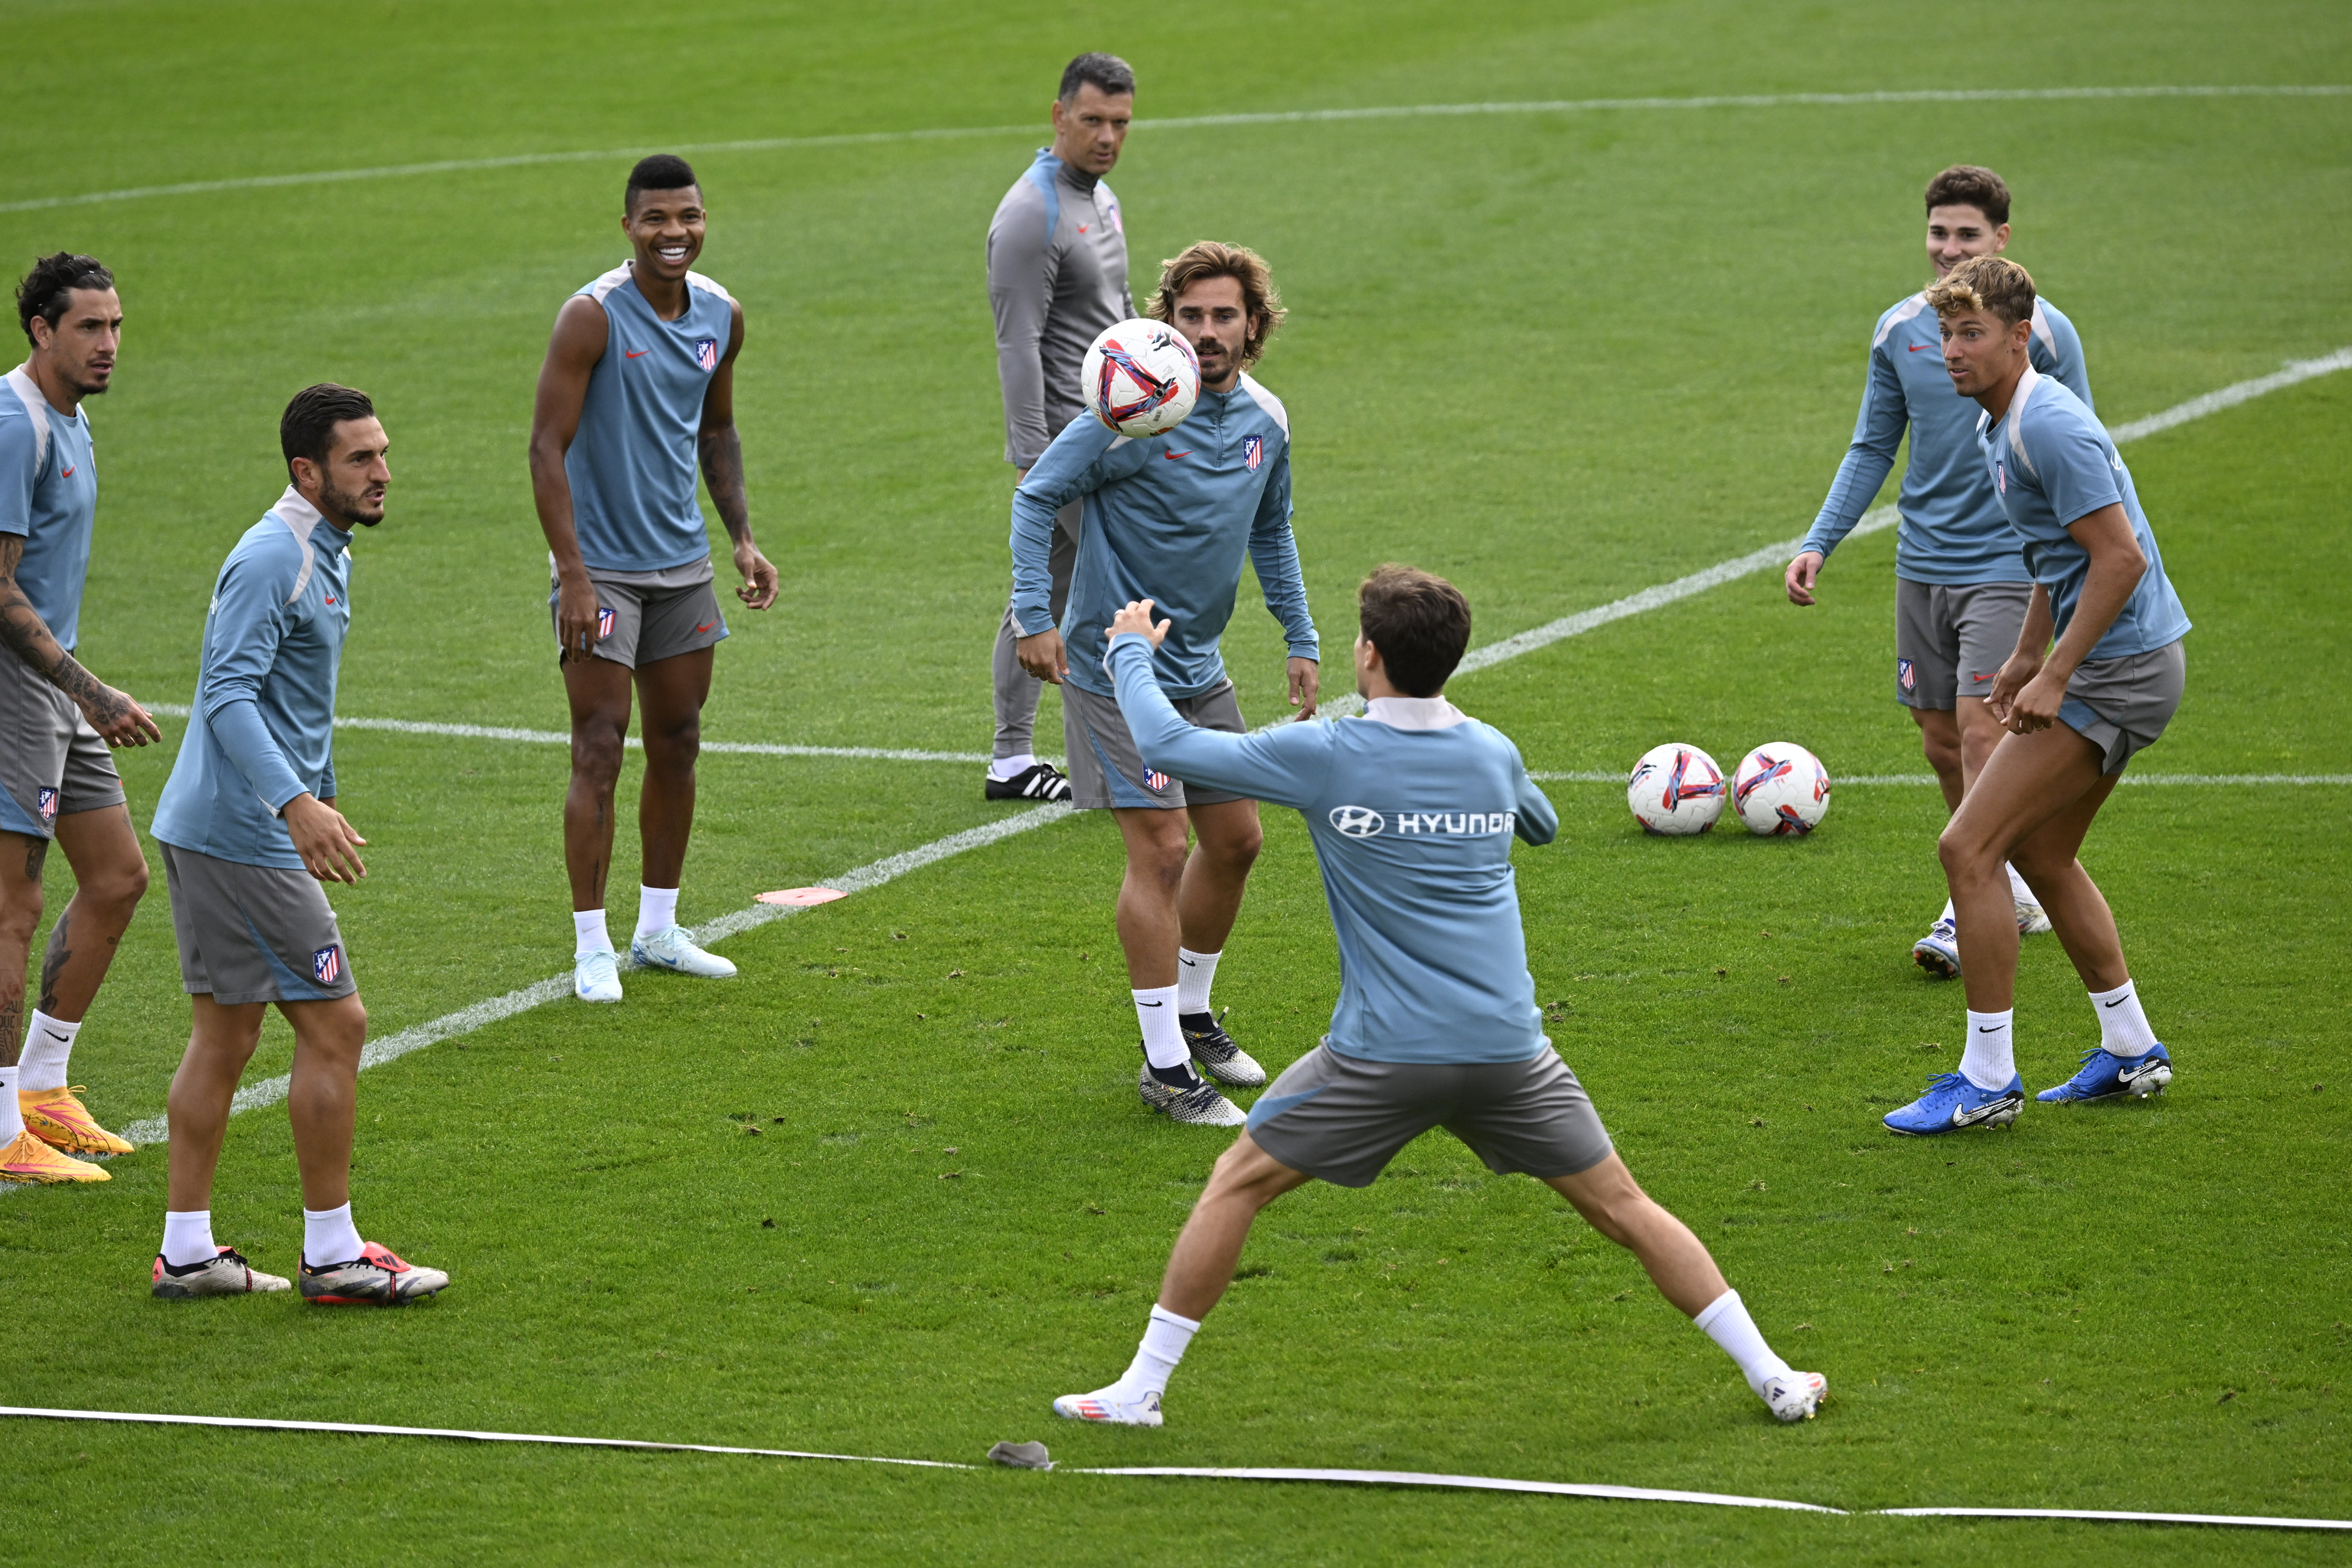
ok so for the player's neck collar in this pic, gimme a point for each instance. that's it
(1415, 712)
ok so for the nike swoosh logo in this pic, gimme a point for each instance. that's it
(1975, 678)
(704, 627)
(1082, 228)
(1917, 348)
(67, 474)
(638, 353)
(2116, 1003)
(1171, 456)
(1190, 964)
(1994, 1031)
(1153, 1003)
(1969, 1117)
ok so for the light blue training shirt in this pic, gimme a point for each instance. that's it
(263, 727)
(1952, 527)
(1412, 808)
(1166, 518)
(49, 494)
(633, 461)
(2052, 463)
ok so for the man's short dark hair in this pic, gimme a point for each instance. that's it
(46, 291)
(1421, 623)
(661, 172)
(308, 430)
(1112, 74)
(1966, 185)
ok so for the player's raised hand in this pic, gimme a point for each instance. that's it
(575, 617)
(329, 844)
(760, 584)
(1137, 617)
(1802, 572)
(1306, 680)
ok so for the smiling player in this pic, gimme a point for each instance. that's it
(1171, 517)
(1960, 585)
(639, 381)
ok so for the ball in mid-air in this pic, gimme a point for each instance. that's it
(1141, 378)
(1780, 790)
(1675, 790)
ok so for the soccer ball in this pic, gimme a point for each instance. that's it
(1780, 790)
(1675, 790)
(1141, 378)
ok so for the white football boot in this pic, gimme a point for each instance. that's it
(596, 977)
(670, 948)
(1110, 1408)
(1796, 1396)
(2031, 919)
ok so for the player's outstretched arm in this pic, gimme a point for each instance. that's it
(1285, 766)
(722, 451)
(1869, 458)
(1535, 819)
(110, 713)
(582, 333)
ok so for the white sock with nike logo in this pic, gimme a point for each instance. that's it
(1724, 1320)
(2123, 1027)
(49, 1046)
(1195, 971)
(1163, 1042)
(1989, 1059)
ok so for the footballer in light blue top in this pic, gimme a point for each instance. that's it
(48, 495)
(632, 463)
(1952, 530)
(263, 727)
(1412, 828)
(2052, 463)
(1166, 518)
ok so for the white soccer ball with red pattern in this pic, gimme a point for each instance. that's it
(1780, 790)
(1675, 790)
(1141, 378)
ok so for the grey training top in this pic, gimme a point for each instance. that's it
(1057, 278)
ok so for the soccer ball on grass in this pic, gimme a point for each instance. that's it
(1780, 790)
(1141, 378)
(1675, 790)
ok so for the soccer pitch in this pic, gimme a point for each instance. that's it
(891, 1191)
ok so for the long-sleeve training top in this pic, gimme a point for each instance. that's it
(1056, 278)
(1167, 517)
(263, 727)
(1952, 529)
(49, 493)
(1412, 808)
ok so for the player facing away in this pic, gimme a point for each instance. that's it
(1056, 278)
(249, 831)
(2074, 714)
(1411, 809)
(640, 383)
(57, 783)
(1960, 583)
(1170, 518)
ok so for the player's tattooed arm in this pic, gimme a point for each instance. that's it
(110, 713)
(721, 450)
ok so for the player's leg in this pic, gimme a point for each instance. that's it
(1926, 680)
(599, 691)
(110, 879)
(1150, 933)
(670, 695)
(24, 1157)
(220, 1040)
(1017, 772)
(1227, 837)
(1988, 618)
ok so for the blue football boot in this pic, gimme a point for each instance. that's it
(2105, 1075)
(1952, 1103)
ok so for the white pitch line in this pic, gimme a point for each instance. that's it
(1191, 123)
(1923, 780)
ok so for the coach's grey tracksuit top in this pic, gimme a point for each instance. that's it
(263, 727)
(1167, 517)
(1412, 808)
(1056, 278)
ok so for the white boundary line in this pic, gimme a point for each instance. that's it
(1592, 777)
(1252, 1473)
(1198, 122)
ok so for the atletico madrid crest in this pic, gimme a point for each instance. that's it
(1157, 781)
(706, 353)
(47, 801)
(604, 622)
(327, 965)
(1905, 675)
(1253, 452)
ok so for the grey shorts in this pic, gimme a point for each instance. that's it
(1105, 770)
(643, 617)
(52, 763)
(1951, 640)
(254, 933)
(1343, 1119)
(2122, 705)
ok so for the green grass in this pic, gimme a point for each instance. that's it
(1558, 358)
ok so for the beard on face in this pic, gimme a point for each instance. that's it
(349, 506)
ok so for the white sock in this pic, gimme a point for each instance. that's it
(1012, 768)
(12, 1120)
(329, 1236)
(1946, 915)
(656, 909)
(188, 1237)
(588, 934)
(1989, 1059)
(1727, 1323)
(1195, 971)
(2123, 1027)
(1163, 1042)
(48, 1043)
(2018, 890)
(1164, 1338)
